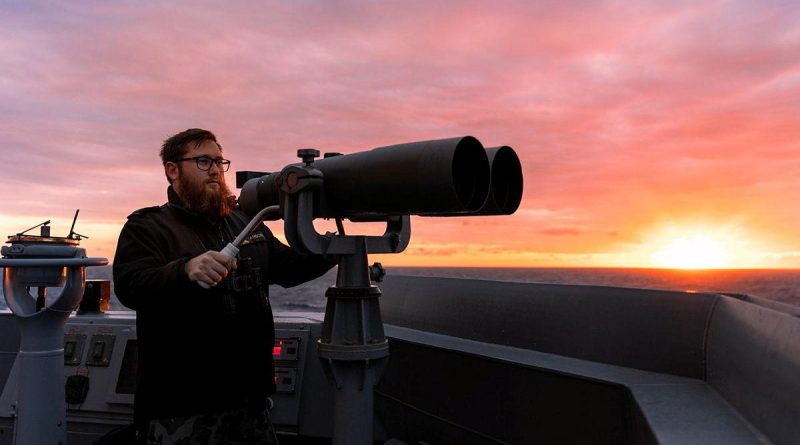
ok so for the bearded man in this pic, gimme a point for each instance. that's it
(205, 367)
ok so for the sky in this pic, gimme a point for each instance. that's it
(649, 132)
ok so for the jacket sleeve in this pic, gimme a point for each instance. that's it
(142, 274)
(289, 268)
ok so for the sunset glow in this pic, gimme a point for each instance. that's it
(658, 134)
(693, 252)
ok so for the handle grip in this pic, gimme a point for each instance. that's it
(229, 251)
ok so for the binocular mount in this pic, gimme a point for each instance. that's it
(43, 261)
(448, 177)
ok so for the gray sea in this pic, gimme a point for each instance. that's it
(777, 285)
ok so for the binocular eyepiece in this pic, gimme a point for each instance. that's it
(447, 177)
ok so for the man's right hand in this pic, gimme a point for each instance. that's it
(210, 267)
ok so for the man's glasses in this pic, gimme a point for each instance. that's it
(204, 163)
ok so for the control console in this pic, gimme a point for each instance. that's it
(100, 363)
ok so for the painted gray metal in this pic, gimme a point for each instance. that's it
(603, 324)
(545, 398)
(41, 406)
(754, 363)
(488, 362)
(41, 409)
(699, 368)
(9, 345)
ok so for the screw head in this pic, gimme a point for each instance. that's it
(308, 155)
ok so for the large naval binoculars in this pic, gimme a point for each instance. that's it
(448, 177)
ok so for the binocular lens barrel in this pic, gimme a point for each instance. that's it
(259, 193)
(505, 188)
(506, 192)
(407, 179)
(447, 177)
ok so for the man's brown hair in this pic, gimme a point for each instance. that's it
(176, 146)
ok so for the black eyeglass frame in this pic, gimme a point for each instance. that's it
(222, 164)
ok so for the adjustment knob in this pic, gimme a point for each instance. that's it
(308, 155)
(377, 272)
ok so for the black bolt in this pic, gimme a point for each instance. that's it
(308, 155)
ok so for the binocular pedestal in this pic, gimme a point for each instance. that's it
(447, 177)
(41, 409)
(353, 347)
(41, 406)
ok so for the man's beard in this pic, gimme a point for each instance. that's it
(213, 204)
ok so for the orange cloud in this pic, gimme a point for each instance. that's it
(625, 119)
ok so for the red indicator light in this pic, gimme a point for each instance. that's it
(276, 350)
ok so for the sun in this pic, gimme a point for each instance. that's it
(693, 252)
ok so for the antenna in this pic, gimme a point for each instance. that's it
(37, 225)
(72, 232)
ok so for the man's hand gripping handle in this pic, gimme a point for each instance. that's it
(224, 258)
(211, 267)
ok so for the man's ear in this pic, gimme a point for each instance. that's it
(171, 170)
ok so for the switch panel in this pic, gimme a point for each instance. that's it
(285, 379)
(286, 349)
(100, 348)
(73, 348)
(76, 389)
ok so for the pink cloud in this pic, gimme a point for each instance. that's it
(628, 115)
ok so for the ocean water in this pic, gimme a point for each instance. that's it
(777, 285)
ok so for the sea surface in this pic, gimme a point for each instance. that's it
(777, 285)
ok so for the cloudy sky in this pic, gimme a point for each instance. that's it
(644, 128)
